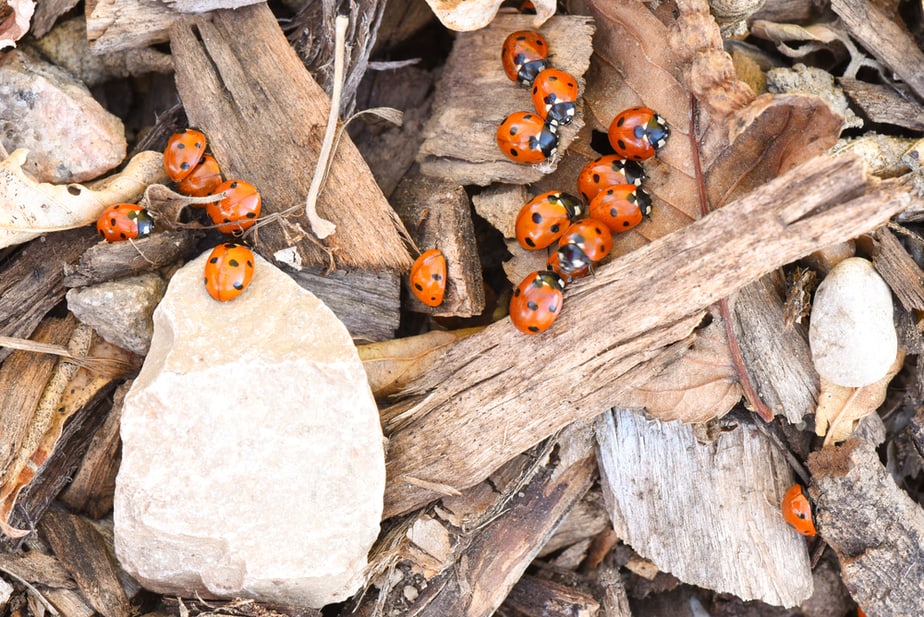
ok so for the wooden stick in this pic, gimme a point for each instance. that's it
(499, 392)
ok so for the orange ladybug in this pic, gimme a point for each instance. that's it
(238, 210)
(183, 152)
(536, 302)
(605, 172)
(638, 133)
(428, 277)
(203, 179)
(555, 95)
(524, 55)
(797, 511)
(228, 271)
(544, 218)
(124, 222)
(525, 137)
(621, 206)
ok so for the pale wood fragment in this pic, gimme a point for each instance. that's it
(873, 526)
(69, 602)
(499, 204)
(882, 104)
(778, 358)
(267, 127)
(898, 268)
(114, 25)
(537, 597)
(541, 383)
(37, 567)
(708, 513)
(886, 40)
(474, 96)
(85, 555)
(438, 214)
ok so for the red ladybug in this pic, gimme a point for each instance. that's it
(428, 277)
(203, 179)
(238, 210)
(797, 511)
(544, 219)
(183, 152)
(524, 55)
(536, 302)
(124, 222)
(607, 171)
(228, 271)
(585, 243)
(554, 264)
(637, 133)
(621, 207)
(554, 95)
(525, 137)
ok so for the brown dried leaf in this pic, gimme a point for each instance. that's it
(475, 14)
(16, 24)
(840, 407)
(701, 385)
(29, 209)
(391, 365)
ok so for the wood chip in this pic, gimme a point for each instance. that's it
(267, 127)
(459, 139)
(898, 268)
(537, 597)
(883, 104)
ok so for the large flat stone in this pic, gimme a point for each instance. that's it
(252, 461)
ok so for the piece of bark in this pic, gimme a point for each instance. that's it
(93, 485)
(114, 25)
(447, 436)
(31, 280)
(499, 205)
(473, 548)
(37, 567)
(105, 261)
(886, 40)
(899, 269)
(873, 526)
(400, 22)
(537, 597)
(312, 37)
(69, 602)
(613, 592)
(883, 105)
(83, 552)
(46, 13)
(368, 303)
(460, 138)
(778, 359)
(267, 127)
(438, 214)
(586, 520)
(390, 150)
(707, 513)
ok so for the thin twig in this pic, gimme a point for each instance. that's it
(35, 592)
(321, 226)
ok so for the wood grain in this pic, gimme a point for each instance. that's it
(883, 104)
(899, 269)
(266, 126)
(499, 392)
(874, 527)
(538, 597)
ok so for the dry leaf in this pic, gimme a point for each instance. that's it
(29, 208)
(16, 24)
(391, 365)
(701, 385)
(840, 407)
(475, 14)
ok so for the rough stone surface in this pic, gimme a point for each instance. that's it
(43, 108)
(120, 311)
(252, 460)
(852, 334)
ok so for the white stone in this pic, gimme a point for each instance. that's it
(852, 334)
(252, 454)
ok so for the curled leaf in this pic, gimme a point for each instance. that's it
(15, 25)
(29, 209)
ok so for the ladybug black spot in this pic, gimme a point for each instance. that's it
(181, 146)
(532, 306)
(184, 165)
(522, 37)
(437, 277)
(555, 228)
(596, 180)
(535, 89)
(620, 122)
(250, 215)
(230, 245)
(625, 223)
(553, 78)
(552, 308)
(516, 292)
(514, 129)
(238, 286)
(598, 230)
(418, 286)
(528, 117)
(533, 329)
(112, 222)
(234, 263)
(530, 242)
(234, 184)
(249, 264)
(537, 218)
(614, 212)
(621, 144)
(514, 153)
(213, 260)
(123, 236)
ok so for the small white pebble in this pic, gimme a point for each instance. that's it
(852, 335)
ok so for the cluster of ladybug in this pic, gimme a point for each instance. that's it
(230, 265)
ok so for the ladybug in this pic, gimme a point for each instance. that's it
(537, 301)
(583, 244)
(183, 152)
(607, 171)
(637, 133)
(554, 264)
(428, 277)
(239, 208)
(555, 94)
(203, 179)
(525, 137)
(544, 219)
(228, 271)
(621, 206)
(524, 55)
(797, 511)
(124, 222)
